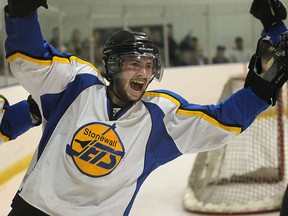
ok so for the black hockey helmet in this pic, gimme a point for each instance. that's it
(125, 43)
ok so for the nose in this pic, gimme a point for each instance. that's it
(145, 70)
(142, 71)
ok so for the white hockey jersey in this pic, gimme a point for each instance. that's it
(88, 163)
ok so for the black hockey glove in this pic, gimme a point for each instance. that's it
(34, 110)
(269, 12)
(22, 8)
(267, 82)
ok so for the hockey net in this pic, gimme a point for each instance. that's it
(249, 174)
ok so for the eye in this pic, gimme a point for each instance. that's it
(135, 65)
(149, 66)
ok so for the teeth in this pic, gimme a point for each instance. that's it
(137, 85)
(139, 82)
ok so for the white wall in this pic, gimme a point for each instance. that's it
(199, 84)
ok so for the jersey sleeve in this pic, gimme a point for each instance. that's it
(211, 126)
(274, 31)
(195, 128)
(41, 69)
(33, 61)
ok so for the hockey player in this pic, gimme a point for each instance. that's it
(16, 119)
(271, 13)
(101, 142)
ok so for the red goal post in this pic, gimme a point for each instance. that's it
(249, 174)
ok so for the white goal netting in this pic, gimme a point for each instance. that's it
(249, 174)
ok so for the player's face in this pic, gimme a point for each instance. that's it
(130, 84)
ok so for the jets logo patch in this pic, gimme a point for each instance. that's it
(96, 149)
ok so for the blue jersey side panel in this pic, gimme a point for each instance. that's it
(80, 83)
(160, 148)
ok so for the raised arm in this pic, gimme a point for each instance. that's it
(23, 29)
(38, 67)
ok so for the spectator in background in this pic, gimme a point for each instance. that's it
(147, 31)
(186, 57)
(157, 38)
(198, 57)
(238, 53)
(187, 48)
(189, 42)
(75, 44)
(85, 49)
(98, 47)
(55, 39)
(172, 47)
(220, 57)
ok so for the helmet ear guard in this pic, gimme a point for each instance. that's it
(158, 69)
(124, 43)
(112, 67)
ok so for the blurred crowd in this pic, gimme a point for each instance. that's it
(187, 52)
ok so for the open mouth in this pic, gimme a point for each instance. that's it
(137, 85)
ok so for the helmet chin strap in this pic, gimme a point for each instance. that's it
(152, 77)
